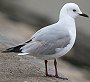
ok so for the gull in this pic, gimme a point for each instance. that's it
(53, 41)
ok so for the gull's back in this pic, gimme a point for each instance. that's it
(51, 32)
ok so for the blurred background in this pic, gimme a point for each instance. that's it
(19, 19)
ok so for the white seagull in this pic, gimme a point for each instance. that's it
(52, 41)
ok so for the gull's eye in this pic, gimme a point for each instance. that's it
(74, 10)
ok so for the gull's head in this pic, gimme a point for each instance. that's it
(71, 10)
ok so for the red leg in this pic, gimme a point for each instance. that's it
(46, 70)
(55, 64)
(56, 73)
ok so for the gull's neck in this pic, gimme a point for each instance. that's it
(69, 23)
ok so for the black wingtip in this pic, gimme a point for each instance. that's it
(15, 49)
(7, 50)
(4, 51)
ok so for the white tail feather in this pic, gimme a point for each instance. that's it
(23, 53)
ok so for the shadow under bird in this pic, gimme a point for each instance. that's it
(52, 41)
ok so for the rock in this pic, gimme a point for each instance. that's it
(14, 68)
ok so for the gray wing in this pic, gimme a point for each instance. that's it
(46, 42)
(45, 47)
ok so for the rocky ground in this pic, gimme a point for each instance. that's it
(15, 68)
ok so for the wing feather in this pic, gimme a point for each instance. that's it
(45, 47)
